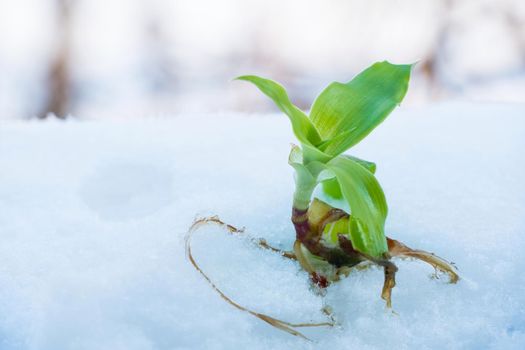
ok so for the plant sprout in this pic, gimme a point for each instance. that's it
(330, 241)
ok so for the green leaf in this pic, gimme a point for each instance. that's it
(344, 114)
(303, 128)
(331, 186)
(367, 204)
(313, 154)
(333, 229)
(370, 166)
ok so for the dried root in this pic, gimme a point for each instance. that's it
(327, 265)
(398, 249)
(279, 324)
(261, 243)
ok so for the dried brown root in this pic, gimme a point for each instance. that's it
(389, 284)
(329, 312)
(389, 267)
(398, 249)
(343, 260)
(260, 242)
(263, 244)
(279, 324)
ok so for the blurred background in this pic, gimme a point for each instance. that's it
(139, 58)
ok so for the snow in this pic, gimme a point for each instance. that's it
(93, 216)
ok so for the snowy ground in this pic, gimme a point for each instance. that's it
(93, 217)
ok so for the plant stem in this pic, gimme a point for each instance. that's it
(307, 218)
(304, 187)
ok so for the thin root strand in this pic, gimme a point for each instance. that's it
(400, 250)
(279, 324)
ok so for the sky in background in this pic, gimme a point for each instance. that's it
(137, 58)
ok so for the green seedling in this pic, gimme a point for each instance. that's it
(329, 241)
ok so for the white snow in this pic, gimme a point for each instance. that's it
(93, 217)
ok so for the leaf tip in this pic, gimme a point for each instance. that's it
(242, 77)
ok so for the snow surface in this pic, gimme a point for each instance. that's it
(93, 217)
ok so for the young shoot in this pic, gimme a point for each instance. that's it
(329, 241)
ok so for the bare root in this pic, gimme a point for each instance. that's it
(260, 242)
(389, 284)
(342, 265)
(398, 249)
(279, 324)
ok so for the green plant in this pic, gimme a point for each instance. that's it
(329, 240)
